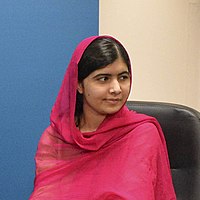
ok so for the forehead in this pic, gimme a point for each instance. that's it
(118, 66)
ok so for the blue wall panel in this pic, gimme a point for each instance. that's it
(37, 39)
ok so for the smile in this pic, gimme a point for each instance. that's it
(113, 101)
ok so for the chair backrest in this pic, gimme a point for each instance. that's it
(181, 127)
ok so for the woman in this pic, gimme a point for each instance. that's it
(95, 148)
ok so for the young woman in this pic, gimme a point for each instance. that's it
(95, 148)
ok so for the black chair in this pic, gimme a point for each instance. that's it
(181, 127)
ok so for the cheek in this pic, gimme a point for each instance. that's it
(126, 92)
(94, 92)
(126, 88)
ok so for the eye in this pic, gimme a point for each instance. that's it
(124, 77)
(103, 79)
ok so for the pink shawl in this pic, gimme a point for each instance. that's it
(125, 158)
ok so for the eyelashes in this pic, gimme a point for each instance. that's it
(109, 78)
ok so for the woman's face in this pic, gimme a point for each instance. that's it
(105, 90)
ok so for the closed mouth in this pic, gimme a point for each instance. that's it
(113, 100)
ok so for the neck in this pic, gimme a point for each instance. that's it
(90, 122)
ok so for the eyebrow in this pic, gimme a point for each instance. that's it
(106, 74)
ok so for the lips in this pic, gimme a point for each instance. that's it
(113, 101)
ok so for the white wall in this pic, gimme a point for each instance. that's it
(163, 40)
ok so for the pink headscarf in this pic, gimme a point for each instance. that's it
(125, 158)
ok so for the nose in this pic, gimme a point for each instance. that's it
(115, 87)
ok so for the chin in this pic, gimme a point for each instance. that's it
(113, 111)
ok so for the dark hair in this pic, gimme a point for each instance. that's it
(100, 53)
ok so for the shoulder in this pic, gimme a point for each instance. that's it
(141, 127)
(146, 135)
(49, 136)
(148, 130)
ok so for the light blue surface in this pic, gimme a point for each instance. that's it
(37, 39)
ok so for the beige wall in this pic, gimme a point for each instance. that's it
(163, 40)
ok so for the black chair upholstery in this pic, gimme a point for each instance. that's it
(181, 127)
